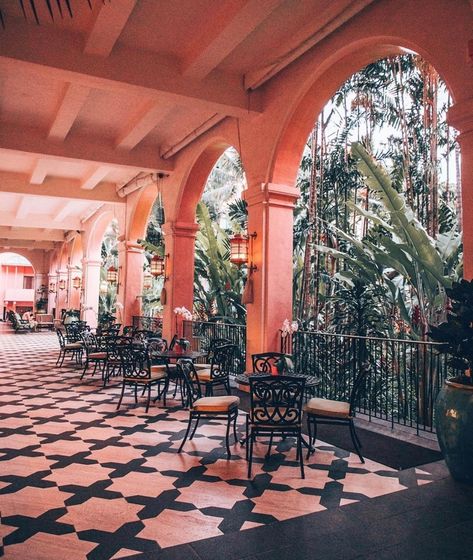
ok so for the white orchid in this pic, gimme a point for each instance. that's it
(289, 327)
(184, 313)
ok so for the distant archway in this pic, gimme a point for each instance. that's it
(17, 283)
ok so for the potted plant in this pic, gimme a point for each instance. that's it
(454, 405)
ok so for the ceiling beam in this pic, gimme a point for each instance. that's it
(31, 233)
(336, 14)
(57, 54)
(64, 211)
(110, 22)
(71, 103)
(66, 189)
(94, 177)
(23, 209)
(141, 124)
(38, 221)
(231, 24)
(79, 148)
(29, 244)
(40, 170)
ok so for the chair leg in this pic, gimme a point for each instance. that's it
(249, 443)
(187, 433)
(227, 387)
(234, 427)
(227, 435)
(85, 369)
(136, 393)
(121, 396)
(149, 398)
(354, 439)
(299, 452)
(268, 453)
(197, 420)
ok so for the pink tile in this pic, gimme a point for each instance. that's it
(80, 475)
(145, 484)
(50, 547)
(32, 501)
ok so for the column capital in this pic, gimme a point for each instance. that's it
(91, 262)
(460, 116)
(132, 247)
(273, 194)
(181, 229)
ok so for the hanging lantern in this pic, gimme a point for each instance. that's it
(103, 288)
(52, 287)
(112, 275)
(147, 281)
(62, 284)
(239, 249)
(156, 266)
(77, 282)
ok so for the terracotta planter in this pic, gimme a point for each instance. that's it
(454, 425)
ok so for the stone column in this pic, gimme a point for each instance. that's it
(270, 216)
(40, 280)
(130, 258)
(73, 295)
(179, 286)
(460, 116)
(91, 280)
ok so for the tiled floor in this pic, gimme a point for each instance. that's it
(78, 479)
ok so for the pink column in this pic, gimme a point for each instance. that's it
(131, 258)
(270, 215)
(460, 116)
(91, 279)
(180, 245)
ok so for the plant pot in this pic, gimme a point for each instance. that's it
(454, 425)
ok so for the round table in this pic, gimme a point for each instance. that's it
(183, 354)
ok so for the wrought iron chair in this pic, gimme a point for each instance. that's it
(275, 410)
(327, 411)
(95, 353)
(271, 362)
(129, 330)
(161, 365)
(136, 367)
(218, 374)
(209, 407)
(74, 349)
(213, 344)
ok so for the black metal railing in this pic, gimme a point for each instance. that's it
(154, 324)
(404, 376)
(201, 333)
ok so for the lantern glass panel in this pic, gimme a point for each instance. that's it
(112, 275)
(239, 249)
(157, 266)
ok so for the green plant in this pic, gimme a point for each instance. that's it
(456, 333)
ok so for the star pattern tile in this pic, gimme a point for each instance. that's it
(77, 475)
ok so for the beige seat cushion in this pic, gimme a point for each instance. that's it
(161, 369)
(326, 407)
(216, 404)
(73, 346)
(98, 356)
(203, 375)
(202, 366)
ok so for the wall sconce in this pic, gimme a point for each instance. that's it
(62, 284)
(241, 250)
(77, 282)
(52, 288)
(157, 266)
(147, 281)
(112, 275)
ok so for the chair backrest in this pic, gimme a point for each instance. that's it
(173, 342)
(155, 347)
(193, 390)
(221, 362)
(61, 338)
(135, 362)
(276, 400)
(129, 330)
(271, 362)
(89, 341)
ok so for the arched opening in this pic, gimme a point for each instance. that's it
(109, 274)
(375, 250)
(220, 213)
(17, 285)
